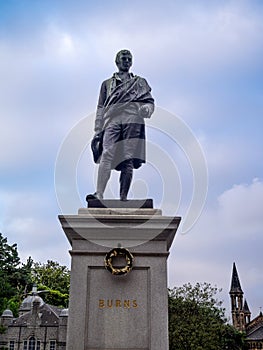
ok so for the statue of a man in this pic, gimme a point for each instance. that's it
(124, 101)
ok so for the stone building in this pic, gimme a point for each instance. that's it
(241, 315)
(39, 326)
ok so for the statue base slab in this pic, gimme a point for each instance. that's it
(113, 203)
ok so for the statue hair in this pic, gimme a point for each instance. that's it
(126, 52)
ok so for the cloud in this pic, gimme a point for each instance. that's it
(29, 219)
(201, 38)
(240, 208)
(60, 43)
(202, 59)
(42, 94)
(230, 231)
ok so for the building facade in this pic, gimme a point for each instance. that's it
(39, 326)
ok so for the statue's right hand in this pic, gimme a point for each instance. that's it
(145, 111)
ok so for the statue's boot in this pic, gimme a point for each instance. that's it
(94, 195)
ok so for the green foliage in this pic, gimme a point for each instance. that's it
(8, 255)
(14, 303)
(232, 339)
(54, 276)
(54, 297)
(2, 329)
(8, 261)
(197, 321)
(15, 278)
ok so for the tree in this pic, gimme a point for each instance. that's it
(54, 297)
(15, 278)
(55, 280)
(232, 339)
(51, 275)
(8, 262)
(197, 321)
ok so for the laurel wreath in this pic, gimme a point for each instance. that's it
(115, 253)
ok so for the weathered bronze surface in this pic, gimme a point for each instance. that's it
(125, 100)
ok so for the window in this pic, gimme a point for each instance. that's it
(52, 345)
(32, 343)
(12, 345)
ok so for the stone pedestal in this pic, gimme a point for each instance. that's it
(127, 312)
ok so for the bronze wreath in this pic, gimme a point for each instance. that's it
(119, 252)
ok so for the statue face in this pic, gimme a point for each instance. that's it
(124, 62)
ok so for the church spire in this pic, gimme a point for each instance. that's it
(235, 284)
(237, 307)
(247, 313)
(246, 308)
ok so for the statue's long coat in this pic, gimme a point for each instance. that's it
(124, 98)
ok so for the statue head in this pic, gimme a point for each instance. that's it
(123, 60)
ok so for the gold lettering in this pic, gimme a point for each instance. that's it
(134, 303)
(101, 304)
(118, 303)
(126, 304)
(109, 303)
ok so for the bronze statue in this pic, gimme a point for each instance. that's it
(124, 101)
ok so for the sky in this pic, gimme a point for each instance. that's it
(203, 60)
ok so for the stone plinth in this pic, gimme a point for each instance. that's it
(109, 312)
